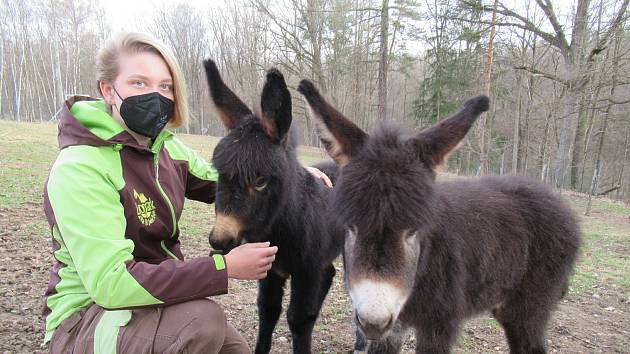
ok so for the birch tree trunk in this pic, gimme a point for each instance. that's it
(1, 69)
(603, 131)
(626, 153)
(484, 143)
(576, 63)
(382, 65)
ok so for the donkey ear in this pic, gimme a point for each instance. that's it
(275, 103)
(434, 144)
(342, 138)
(231, 108)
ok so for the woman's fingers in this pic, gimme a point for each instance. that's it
(326, 180)
(317, 173)
(251, 260)
(269, 251)
(255, 244)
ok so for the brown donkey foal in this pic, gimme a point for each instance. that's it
(427, 254)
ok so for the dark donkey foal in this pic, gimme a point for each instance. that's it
(264, 194)
(426, 255)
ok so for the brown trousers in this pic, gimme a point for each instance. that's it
(197, 326)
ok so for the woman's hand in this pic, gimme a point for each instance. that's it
(250, 261)
(319, 175)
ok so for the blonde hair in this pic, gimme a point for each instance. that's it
(130, 43)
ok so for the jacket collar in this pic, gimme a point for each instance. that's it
(85, 121)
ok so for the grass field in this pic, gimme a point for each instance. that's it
(593, 318)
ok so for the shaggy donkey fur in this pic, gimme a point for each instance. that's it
(423, 254)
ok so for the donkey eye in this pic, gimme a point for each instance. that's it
(260, 184)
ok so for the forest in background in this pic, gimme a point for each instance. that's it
(558, 75)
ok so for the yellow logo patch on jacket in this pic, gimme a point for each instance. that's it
(145, 207)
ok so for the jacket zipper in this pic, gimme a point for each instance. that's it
(156, 165)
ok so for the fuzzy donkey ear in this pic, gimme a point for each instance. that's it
(231, 108)
(434, 144)
(275, 103)
(342, 138)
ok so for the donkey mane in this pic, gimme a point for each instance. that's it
(237, 155)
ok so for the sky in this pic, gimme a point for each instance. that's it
(124, 14)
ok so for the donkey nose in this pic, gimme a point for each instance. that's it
(211, 240)
(224, 244)
(374, 327)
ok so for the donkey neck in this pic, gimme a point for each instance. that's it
(303, 196)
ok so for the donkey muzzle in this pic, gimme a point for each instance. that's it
(225, 245)
(377, 304)
(374, 329)
(225, 234)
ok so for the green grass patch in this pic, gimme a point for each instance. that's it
(604, 259)
(466, 343)
(491, 322)
(599, 205)
(603, 262)
(27, 151)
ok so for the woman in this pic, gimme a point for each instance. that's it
(113, 200)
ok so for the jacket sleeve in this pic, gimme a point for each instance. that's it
(202, 175)
(91, 224)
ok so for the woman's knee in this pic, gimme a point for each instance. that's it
(204, 328)
(204, 313)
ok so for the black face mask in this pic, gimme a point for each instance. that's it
(146, 114)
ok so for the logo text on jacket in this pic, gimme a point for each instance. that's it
(145, 208)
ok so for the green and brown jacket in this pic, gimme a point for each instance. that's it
(113, 207)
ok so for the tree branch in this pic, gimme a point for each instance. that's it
(614, 101)
(551, 16)
(612, 189)
(537, 72)
(618, 21)
(526, 23)
(283, 29)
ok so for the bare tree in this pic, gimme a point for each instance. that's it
(602, 133)
(577, 60)
(487, 81)
(382, 64)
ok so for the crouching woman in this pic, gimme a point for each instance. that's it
(114, 196)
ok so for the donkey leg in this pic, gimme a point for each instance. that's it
(308, 292)
(270, 291)
(360, 343)
(437, 337)
(390, 344)
(524, 326)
